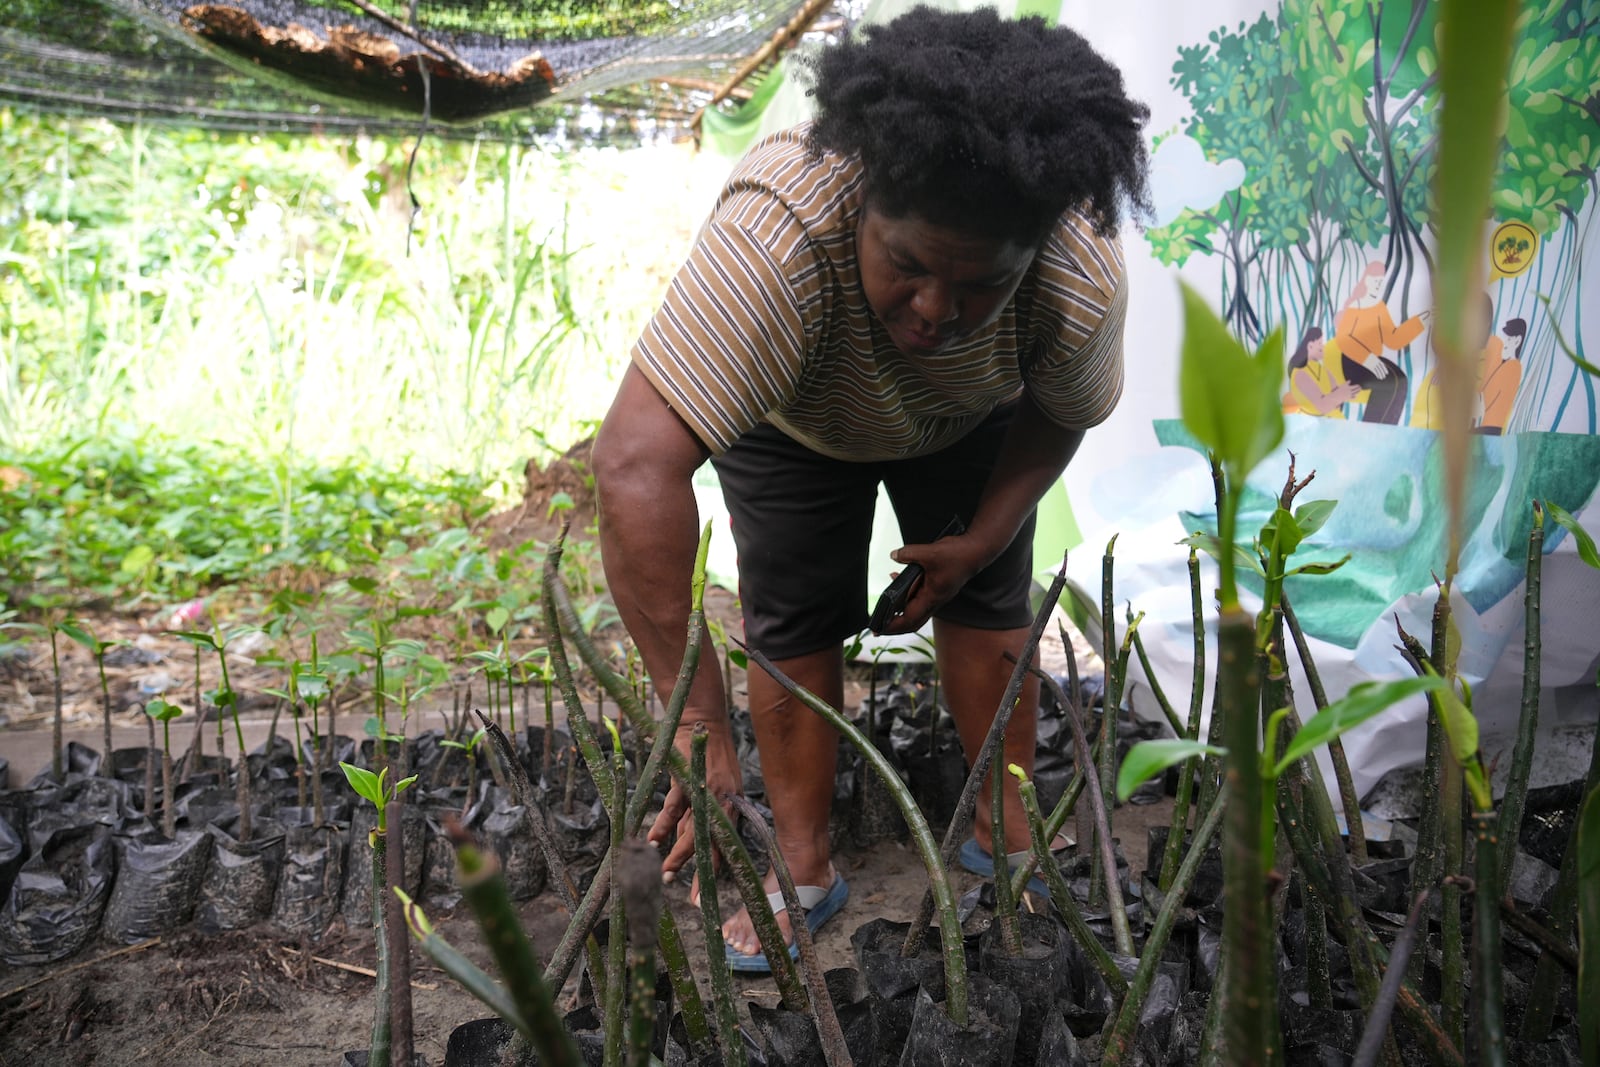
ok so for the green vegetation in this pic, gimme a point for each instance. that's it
(229, 359)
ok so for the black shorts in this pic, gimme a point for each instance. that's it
(802, 523)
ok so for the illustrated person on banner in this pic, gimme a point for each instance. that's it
(1365, 331)
(1316, 385)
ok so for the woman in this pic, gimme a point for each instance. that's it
(1314, 385)
(1364, 332)
(921, 289)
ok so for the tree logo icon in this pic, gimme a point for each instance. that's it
(1512, 248)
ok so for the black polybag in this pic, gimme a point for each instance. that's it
(504, 829)
(357, 900)
(13, 851)
(1036, 977)
(59, 894)
(158, 884)
(242, 877)
(790, 1039)
(308, 883)
(988, 1039)
(892, 980)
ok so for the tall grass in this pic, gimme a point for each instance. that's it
(275, 296)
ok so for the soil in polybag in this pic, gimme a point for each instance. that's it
(988, 1039)
(789, 1038)
(307, 896)
(242, 877)
(357, 901)
(59, 894)
(158, 884)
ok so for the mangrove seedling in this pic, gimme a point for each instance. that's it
(224, 698)
(159, 710)
(376, 789)
(469, 748)
(98, 649)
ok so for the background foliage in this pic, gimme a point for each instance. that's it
(231, 345)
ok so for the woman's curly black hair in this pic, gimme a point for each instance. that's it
(987, 125)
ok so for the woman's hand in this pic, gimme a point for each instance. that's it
(948, 564)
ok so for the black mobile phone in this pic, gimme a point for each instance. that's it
(892, 601)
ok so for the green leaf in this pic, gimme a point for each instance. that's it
(1229, 398)
(311, 685)
(403, 784)
(364, 782)
(559, 502)
(1362, 702)
(496, 619)
(195, 637)
(1461, 730)
(160, 710)
(222, 697)
(1327, 567)
(1312, 515)
(80, 635)
(1281, 533)
(1580, 536)
(1588, 850)
(363, 584)
(137, 559)
(737, 657)
(1242, 556)
(1149, 758)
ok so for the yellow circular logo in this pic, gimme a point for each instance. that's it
(1512, 248)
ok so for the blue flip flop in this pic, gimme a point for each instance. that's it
(974, 858)
(819, 904)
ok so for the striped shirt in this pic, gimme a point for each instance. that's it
(767, 321)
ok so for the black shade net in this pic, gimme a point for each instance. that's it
(576, 70)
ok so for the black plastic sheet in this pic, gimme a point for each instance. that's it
(59, 894)
(504, 829)
(157, 885)
(242, 877)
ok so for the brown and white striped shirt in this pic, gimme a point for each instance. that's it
(768, 321)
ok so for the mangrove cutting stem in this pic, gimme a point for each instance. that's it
(1173, 853)
(955, 958)
(1348, 800)
(829, 1033)
(966, 805)
(1377, 1026)
(1250, 1017)
(1488, 983)
(1120, 1029)
(1516, 796)
(1102, 822)
(1061, 897)
(727, 1013)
